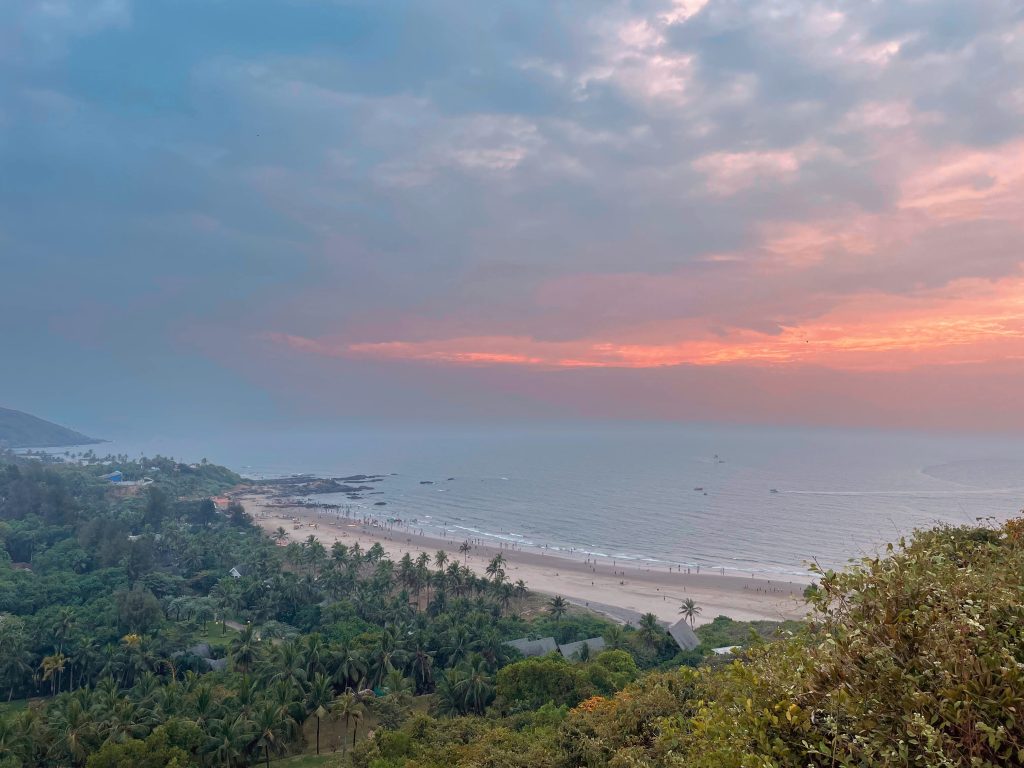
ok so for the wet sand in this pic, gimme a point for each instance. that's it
(622, 591)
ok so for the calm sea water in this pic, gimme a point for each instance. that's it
(632, 491)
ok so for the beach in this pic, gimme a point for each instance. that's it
(622, 591)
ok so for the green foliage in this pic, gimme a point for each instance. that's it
(156, 751)
(724, 631)
(126, 603)
(531, 683)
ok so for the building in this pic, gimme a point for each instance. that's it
(684, 635)
(541, 647)
(575, 650)
(236, 572)
(545, 645)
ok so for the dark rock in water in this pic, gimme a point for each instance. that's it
(451, 478)
(304, 485)
(379, 503)
(360, 479)
(426, 482)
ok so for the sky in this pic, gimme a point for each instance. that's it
(215, 212)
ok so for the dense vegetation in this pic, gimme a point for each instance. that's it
(124, 642)
(122, 626)
(22, 430)
(914, 659)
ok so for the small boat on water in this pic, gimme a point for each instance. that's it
(774, 490)
(699, 488)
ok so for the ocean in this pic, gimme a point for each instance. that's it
(746, 500)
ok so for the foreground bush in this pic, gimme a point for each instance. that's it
(912, 659)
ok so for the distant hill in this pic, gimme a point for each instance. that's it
(21, 430)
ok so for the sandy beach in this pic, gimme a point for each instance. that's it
(621, 591)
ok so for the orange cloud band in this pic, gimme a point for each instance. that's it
(971, 321)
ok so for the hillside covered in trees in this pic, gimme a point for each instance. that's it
(141, 620)
(22, 430)
(126, 641)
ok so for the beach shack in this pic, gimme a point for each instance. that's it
(684, 635)
(540, 647)
(574, 651)
(236, 572)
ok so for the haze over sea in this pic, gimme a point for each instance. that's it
(630, 491)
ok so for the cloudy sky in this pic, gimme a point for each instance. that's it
(781, 211)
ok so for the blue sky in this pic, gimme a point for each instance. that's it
(787, 211)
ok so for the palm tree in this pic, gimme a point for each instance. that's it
(440, 559)
(279, 535)
(690, 610)
(464, 548)
(557, 606)
(228, 739)
(615, 638)
(318, 701)
(422, 667)
(349, 667)
(273, 724)
(52, 667)
(347, 706)
(74, 727)
(244, 649)
(496, 568)
(650, 629)
(476, 687)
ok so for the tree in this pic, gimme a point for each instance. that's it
(229, 737)
(138, 610)
(557, 606)
(650, 631)
(244, 649)
(464, 549)
(15, 660)
(319, 696)
(614, 638)
(689, 610)
(496, 568)
(272, 724)
(155, 752)
(347, 706)
(476, 686)
(52, 667)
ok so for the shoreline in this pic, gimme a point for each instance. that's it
(621, 591)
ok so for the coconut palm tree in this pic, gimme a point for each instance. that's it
(349, 667)
(650, 629)
(690, 610)
(440, 559)
(615, 638)
(244, 649)
(348, 706)
(496, 568)
(319, 696)
(476, 687)
(273, 724)
(464, 549)
(229, 738)
(52, 667)
(557, 606)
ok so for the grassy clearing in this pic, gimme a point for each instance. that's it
(304, 761)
